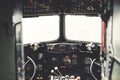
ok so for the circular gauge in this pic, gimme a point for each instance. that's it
(88, 61)
(67, 60)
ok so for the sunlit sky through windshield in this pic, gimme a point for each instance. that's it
(46, 28)
(83, 28)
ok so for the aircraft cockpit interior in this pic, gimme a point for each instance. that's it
(59, 40)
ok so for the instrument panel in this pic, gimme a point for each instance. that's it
(54, 61)
(43, 7)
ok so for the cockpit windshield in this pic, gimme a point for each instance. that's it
(83, 28)
(40, 29)
(46, 28)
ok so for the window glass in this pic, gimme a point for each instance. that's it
(83, 28)
(40, 29)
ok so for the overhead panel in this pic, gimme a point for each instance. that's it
(48, 7)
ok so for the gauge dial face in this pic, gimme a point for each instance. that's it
(67, 60)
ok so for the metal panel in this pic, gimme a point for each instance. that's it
(7, 48)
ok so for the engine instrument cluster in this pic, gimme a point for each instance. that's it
(42, 7)
(62, 61)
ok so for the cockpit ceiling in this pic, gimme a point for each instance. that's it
(51, 7)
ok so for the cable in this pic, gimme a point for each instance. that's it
(27, 62)
(97, 64)
(35, 68)
(91, 69)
